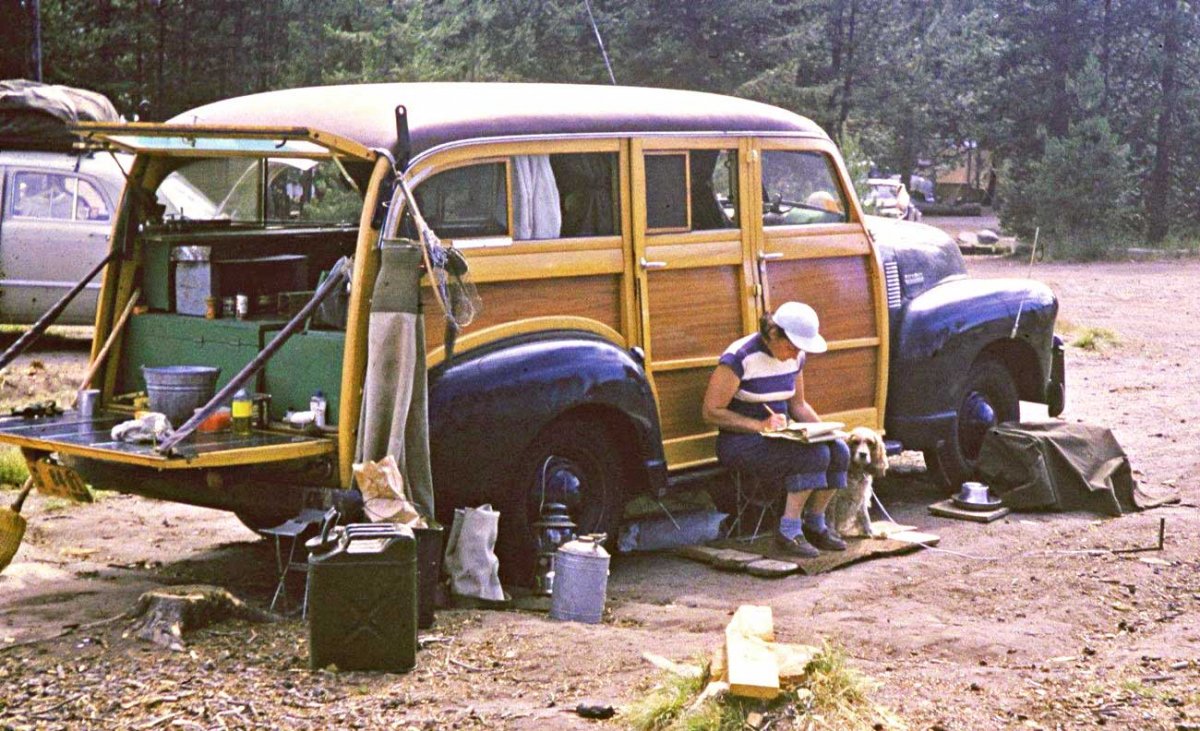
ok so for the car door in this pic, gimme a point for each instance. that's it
(56, 228)
(696, 289)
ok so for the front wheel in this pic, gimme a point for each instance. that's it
(575, 463)
(989, 397)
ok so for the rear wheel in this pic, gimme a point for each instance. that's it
(989, 397)
(573, 462)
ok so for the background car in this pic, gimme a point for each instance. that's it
(889, 198)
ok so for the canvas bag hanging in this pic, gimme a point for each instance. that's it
(470, 554)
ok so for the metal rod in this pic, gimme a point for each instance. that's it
(1162, 529)
(335, 279)
(46, 320)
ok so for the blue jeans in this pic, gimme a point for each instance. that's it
(800, 466)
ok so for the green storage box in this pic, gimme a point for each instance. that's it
(309, 361)
(362, 600)
(163, 339)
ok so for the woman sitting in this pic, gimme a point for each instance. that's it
(757, 385)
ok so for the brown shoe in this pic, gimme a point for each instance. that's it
(828, 540)
(797, 546)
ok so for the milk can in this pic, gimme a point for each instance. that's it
(580, 580)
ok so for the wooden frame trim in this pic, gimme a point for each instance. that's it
(466, 343)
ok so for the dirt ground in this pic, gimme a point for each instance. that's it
(1016, 624)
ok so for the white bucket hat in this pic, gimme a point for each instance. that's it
(799, 322)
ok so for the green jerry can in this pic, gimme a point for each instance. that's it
(362, 599)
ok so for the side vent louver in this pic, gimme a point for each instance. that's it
(891, 275)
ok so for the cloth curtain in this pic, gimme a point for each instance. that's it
(395, 413)
(536, 212)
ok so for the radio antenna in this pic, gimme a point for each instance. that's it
(600, 41)
(1028, 275)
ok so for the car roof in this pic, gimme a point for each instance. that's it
(443, 113)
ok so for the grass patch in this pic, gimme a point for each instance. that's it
(1095, 338)
(835, 696)
(12, 467)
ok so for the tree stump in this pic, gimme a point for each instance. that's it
(162, 616)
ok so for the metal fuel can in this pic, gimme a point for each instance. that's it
(362, 600)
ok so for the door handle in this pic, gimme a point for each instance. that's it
(653, 264)
(769, 256)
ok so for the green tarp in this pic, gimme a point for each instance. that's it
(1061, 466)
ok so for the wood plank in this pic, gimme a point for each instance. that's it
(841, 380)
(694, 312)
(751, 666)
(838, 288)
(680, 398)
(594, 297)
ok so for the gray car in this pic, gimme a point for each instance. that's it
(55, 221)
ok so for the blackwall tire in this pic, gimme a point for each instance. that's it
(569, 449)
(989, 397)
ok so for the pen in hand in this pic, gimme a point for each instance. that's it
(774, 423)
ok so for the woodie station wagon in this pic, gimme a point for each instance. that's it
(619, 239)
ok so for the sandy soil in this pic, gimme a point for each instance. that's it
(1015, 624)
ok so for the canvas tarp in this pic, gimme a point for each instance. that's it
(395, 413)
(38, 116)
(1061, 466)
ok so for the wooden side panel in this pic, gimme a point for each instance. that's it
(838, 288)
(693, 312)
(841, 380)
(594, 297)
(680, 397)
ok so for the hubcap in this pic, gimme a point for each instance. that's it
(974, 419)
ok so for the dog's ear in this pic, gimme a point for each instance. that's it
(879, 460)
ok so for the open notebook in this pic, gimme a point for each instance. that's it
(810, 431)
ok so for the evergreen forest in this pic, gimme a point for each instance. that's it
(1087, 110)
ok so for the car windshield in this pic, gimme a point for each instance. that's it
(260, 190)
(883, 194)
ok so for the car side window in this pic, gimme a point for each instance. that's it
(90, 204)
(560, 196)
(694, 190)
(44, 195)
(466, 202)
(801, 188)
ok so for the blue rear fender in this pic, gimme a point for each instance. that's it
(946, 329)
(488, 405)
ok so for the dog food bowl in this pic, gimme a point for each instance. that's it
(974, 496)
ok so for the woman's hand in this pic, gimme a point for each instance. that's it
(774, 422)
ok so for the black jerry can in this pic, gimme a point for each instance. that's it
(362, 600)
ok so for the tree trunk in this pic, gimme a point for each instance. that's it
(162, 616)
(1159, 185)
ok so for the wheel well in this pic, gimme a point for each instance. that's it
(623, 432)
(1022, 364)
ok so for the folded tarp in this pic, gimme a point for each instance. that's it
(1061, 466)
(39, 116)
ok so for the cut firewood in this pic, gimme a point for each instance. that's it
(793, 662)
(162, 616)
(752, 668)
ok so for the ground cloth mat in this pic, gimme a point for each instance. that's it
(1060, 466)
(857, 549)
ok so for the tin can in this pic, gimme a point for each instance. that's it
(87, 400)
(211, 308)
(242, 302)
(262, 410)
(228, 306)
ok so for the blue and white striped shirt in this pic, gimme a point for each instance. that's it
(764, 379)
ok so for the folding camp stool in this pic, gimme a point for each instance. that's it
(754, 501)
(292, 530)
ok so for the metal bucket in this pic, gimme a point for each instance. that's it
(177, 391)
(580, 581)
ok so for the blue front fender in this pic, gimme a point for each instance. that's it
(487, 406)
(942, 332)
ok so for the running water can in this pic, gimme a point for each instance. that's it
(580, 580)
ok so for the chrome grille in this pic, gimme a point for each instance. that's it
(891, 275)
